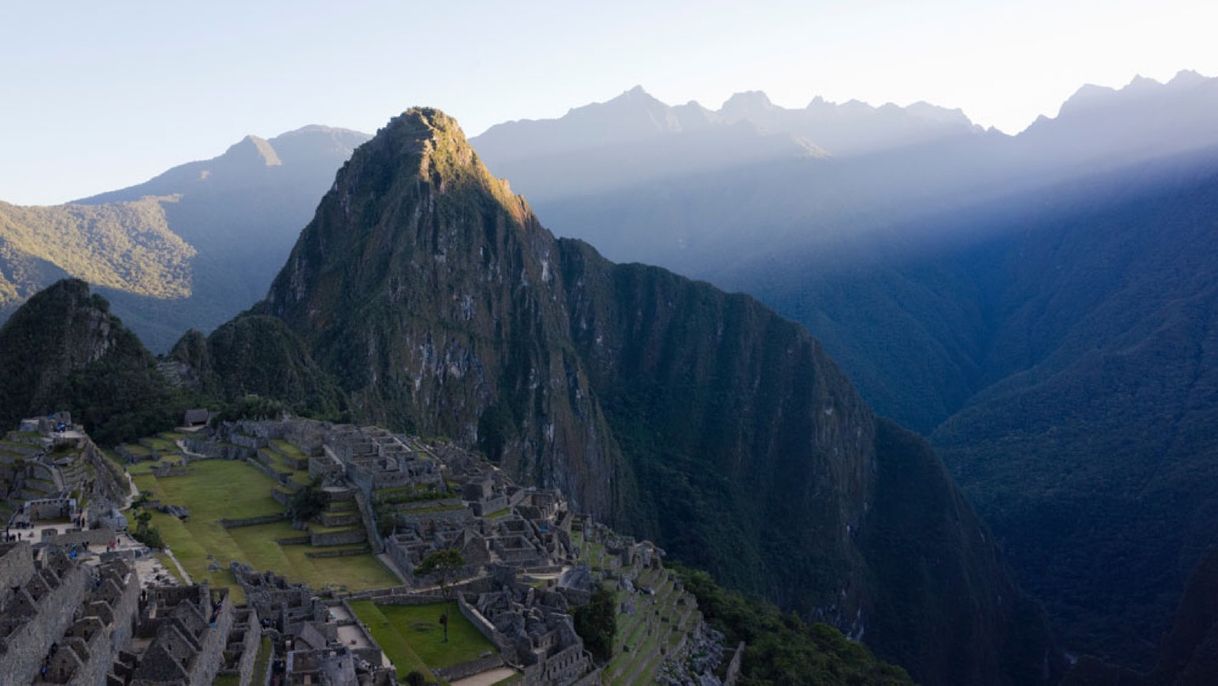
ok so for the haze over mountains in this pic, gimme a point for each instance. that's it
(187, 249)
(1037, 304)
(434, 299)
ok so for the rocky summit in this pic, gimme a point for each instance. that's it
(440, 305)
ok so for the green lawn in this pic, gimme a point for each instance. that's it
(216, 489)
(413, 639)
(287, 448)
(160, 444)
(262, 662)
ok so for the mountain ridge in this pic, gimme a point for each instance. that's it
(441, 304)
(186, 249)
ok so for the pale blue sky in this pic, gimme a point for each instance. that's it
(99, 95)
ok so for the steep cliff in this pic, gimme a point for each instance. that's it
(441, 305)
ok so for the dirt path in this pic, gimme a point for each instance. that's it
(491, 676)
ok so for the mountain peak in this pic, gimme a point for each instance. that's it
(424, 145)
(1141, 83)
(746, 102)
(1187, 77)
(635, 98)
(254, 149)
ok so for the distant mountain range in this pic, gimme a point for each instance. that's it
(189, 248)
(426, 296)
(1038, 305)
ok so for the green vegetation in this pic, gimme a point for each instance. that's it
(262, 662)
(144, 532)
(596, 623)
(443, 564)
(412, 635)
(782, 649)
(258, 355)
(127, 246)
(307, 503)
(216, 489)
(52, 357)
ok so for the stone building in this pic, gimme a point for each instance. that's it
(533, 629)
(308, 637)
(189, 629)
(62, 621)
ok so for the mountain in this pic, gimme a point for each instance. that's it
(126, 246)
(63, 349)
(1037, 305)
(441, 305)
(1188, 654)
(635, 139)
(189, 248)
(254, 355)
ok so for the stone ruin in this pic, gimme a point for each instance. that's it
(312, 645)
(61, 621)
(47, 462)
(533, 630)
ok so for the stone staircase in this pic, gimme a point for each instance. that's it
(658, 627)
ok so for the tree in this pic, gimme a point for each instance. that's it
(308, 502)
(444, 563)
(148, 535)
(596, 623)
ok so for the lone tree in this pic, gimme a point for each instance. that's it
(444, 563)
(596, 623)
(308, 502)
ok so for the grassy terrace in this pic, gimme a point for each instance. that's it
(643, 631)
(216, 489)
(413, 639)
(159, 444)
(288, 449)
(262, 662)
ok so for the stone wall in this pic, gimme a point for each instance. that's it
(338, 537)
(252, 521)
(482, 624)
(252, 443)
(365, 511)
(70, 537)
(211, 653)
(345, 552)
(125, 609)
(469, 668)
(25, 648)
(16, 567)
(458, 516)
(250, 647)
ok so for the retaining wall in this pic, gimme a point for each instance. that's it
(252, 521)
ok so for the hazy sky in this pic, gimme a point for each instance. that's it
(99, 95)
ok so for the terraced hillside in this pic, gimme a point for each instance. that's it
(656, 616)
(33, 465)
